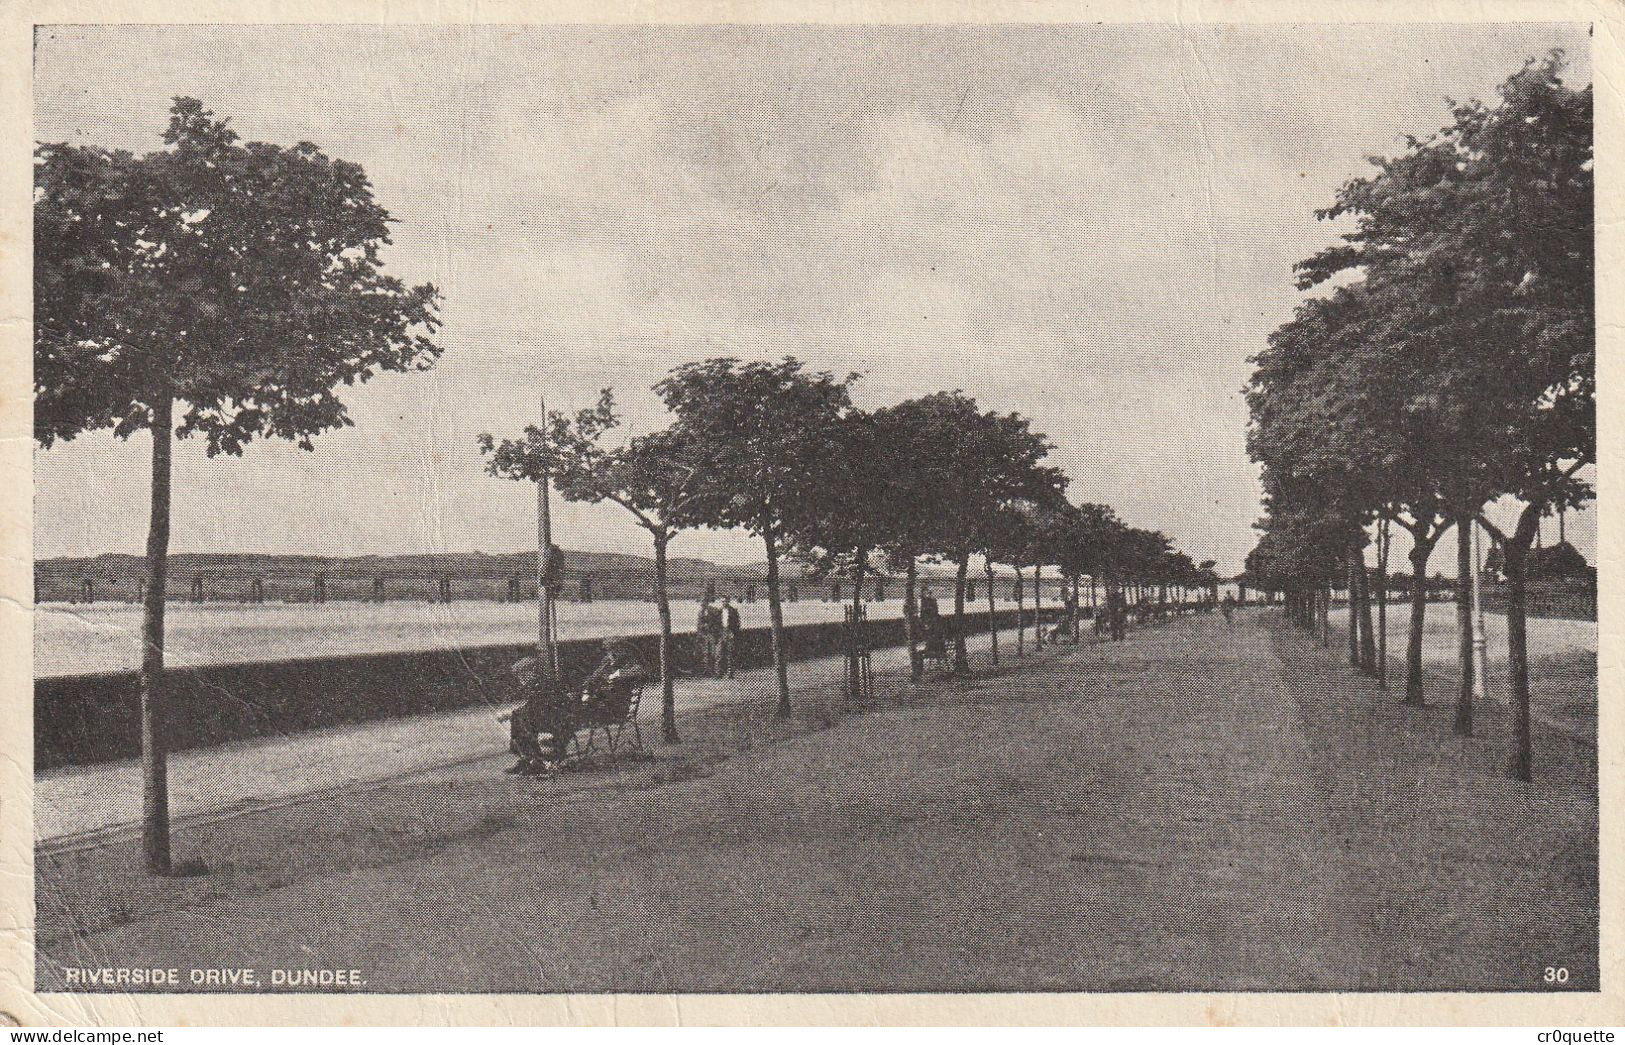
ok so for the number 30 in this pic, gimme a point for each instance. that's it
(1556, 974)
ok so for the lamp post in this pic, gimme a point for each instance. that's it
(547, 649)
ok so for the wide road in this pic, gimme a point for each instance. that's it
(1203, 807)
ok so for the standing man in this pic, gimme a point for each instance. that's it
(732, 628)
(709, 631)
(1117, 613)
(936, 642)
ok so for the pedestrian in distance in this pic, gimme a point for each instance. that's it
(936, 641)
(732, 629)
(709, 629)
(1117, 614)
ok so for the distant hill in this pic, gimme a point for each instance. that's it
(459, 564)
(233, 575)
(252, 577)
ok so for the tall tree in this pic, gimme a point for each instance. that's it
(1343, 424)
(653, 477)
(1139, 555)
(846, 528)
(1425, 528)
(944, 431)
(1077, 545)
(229, 286)
(1012, 537)
(1488, 225)
(759, 433)
(912, 437)
(985, 463)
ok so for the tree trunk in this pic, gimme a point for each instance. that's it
(1354, 616)
(668, 695)
(961, 662)
(992, 616)
(854, 669)
(775, 613)
(1514, 551)
(1038, 605)
(1021, 617)
(1464, 623)
(911, 626)
(154, 761)
(1383, 544)
(1368, 641)
(1420, 553)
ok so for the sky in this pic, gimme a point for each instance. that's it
(1092, 225)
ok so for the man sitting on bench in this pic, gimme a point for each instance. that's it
(606, 696)
(555, 711)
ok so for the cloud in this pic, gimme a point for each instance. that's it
(1094, 225)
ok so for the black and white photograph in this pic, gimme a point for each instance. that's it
(737, 509)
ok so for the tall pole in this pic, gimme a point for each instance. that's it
(1481, 641)
(547, 650)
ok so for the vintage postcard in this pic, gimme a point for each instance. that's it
(1082, 514)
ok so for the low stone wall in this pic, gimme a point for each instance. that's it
(84, 719)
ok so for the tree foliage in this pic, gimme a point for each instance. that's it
(759, 435)
(1451, 359)
(244, 280)
(655, 477)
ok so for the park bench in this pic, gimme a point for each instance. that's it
(1058, 633)
(939, 653)
(924, 657)
(606, 735)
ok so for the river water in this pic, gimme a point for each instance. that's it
(74, 639)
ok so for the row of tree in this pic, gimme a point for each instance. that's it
(1448, 364)
(229, 290)
(781, 452)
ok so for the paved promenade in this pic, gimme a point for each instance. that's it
(105, 799)
(1203, 807)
